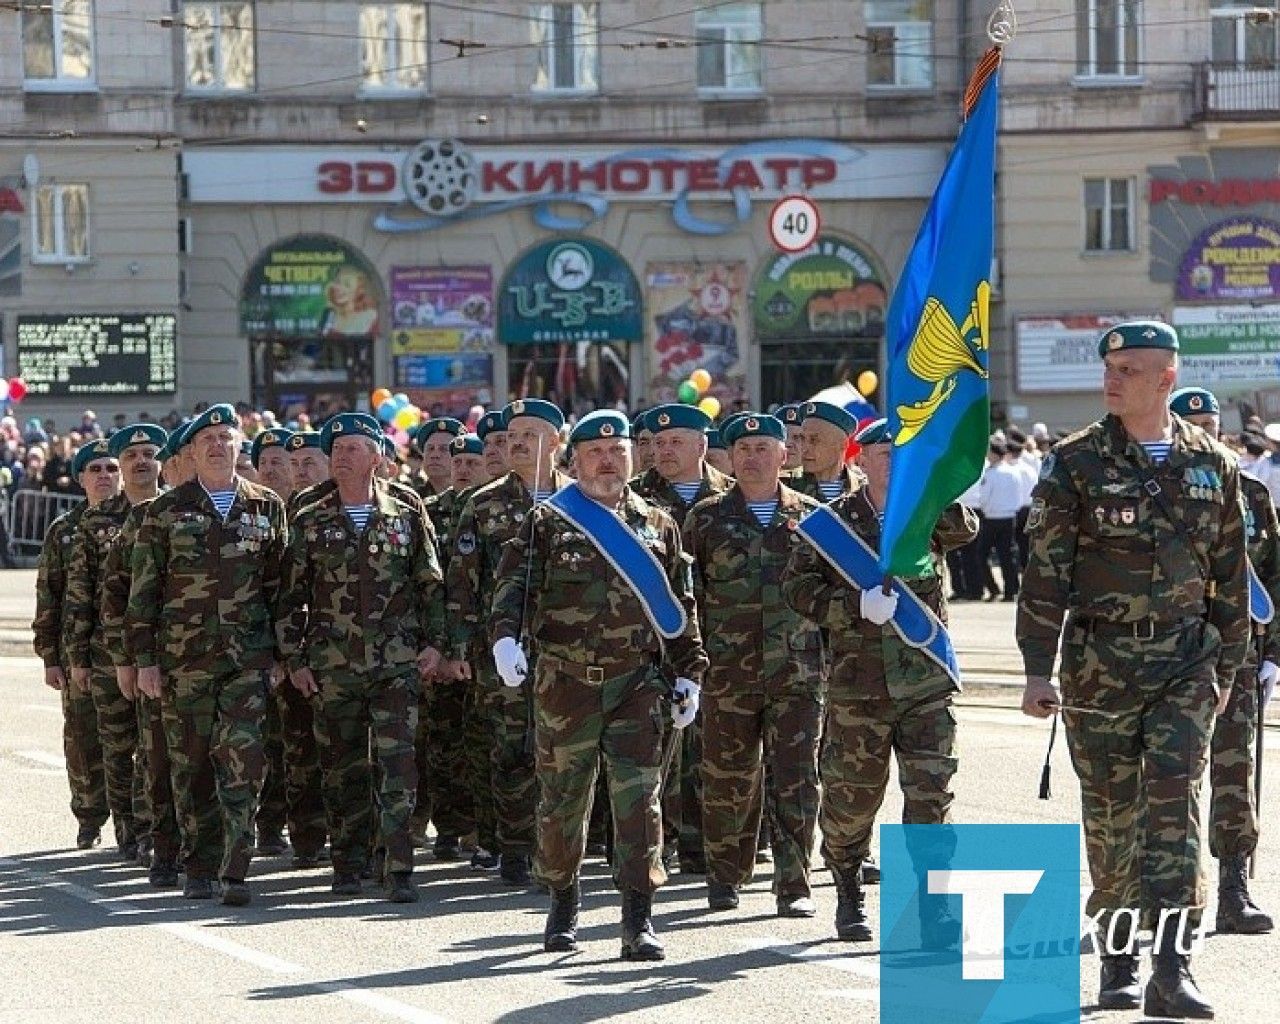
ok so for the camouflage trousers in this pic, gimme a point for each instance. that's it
(577, 721)
(118, 730)
(272, 805)
(479, 727)
(1233, 807)
(82, 748)
(303, 799)
(1140, 772)
(444, 705)
(158, 781)
(515, 784)
(858, 738)
(745, 725)
(359, 720)
(214, 728)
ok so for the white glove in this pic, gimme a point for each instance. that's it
(1268, 674)
(877, 606)
(509, 659)
(684, 709)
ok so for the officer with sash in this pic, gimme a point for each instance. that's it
(1233, 807)
(825, 430)
(599, 582)
(885, 697)
(762, 701)
(491, 517)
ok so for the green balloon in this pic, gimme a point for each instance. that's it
(687, 392)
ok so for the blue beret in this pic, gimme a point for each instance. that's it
(831, 413)
(724, 423)
(1194, 402)
(714, 440)
(598, 424)
(466, 444)
(437, 425)
(875, 432)
(1138, 334)
(754, 424)
(676, 416)
(639, 424)
(214, 416)
(345, 423)
(543, 410)
(790, 415)
(490, 423)
(137, 433)
(86, 453)
(303, 439)
(272, 437)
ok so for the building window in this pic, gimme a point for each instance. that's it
(1107, 38)
(218, 41)
(567, 40)
(900, 44)
(729, 55)
(57, 44)
(393, 47)
(1242, 38)
(1108, 214)
(60, 224)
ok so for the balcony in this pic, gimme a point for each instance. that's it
(1237, 92)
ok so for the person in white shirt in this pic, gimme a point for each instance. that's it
(1026, 460)
(1000, 493)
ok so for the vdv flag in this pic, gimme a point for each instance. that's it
(938, 331)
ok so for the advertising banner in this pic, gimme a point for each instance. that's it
(1238, 258)
(310, 286)
(441, 309)
(696, 319)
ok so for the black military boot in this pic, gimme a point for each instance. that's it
(1172, 991)
(400, 887)
(1118, 987)
(163, 874)
(447, 848)
(721, 895)
(851, 918)
(198, 889)
(561, 932)
(870, 871)
(235, 893)
(638, 940)
(1237, 913)
(938, 929)
(270, 843)
(514, 869)
(88, 837)
(144, 852)
(345, 883)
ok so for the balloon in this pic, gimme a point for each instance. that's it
(405, 418)
(701, 380)
(687, 392)
(710, 405)
(387, 410)
(399, 437)
(401, 399)
(17, 389)
(378, 397)
(867, 381)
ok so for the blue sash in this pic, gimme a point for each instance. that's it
(853, 558)
(1261, 608)
(625, 551)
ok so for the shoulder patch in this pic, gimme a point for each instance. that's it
(1035, 517)
(466, 542)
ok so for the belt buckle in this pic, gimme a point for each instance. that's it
(1150, 633)
(595, 674)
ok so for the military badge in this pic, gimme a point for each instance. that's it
(215, 418)
(517, 408)
(1195, 403)
(1036, 516)
(606, 429)
(1115, 340)
(664, 419)
(139, 437)
(466, 542)
(1128, 516)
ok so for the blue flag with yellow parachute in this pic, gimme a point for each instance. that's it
(937, 331)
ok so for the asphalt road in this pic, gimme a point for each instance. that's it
(85, 939)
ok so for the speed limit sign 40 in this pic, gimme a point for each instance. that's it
(794, 223)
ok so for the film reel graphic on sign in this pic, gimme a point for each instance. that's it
(440, 177)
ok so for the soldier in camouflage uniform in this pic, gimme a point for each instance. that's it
(678, 480)
(718, 453)
(793, 420)
(205, 581)
(1137, 534)
(491, 517)
(307, 465)
(642, 439)
(362, 624)
(92, 667)
(80, 743)
(1233, 807)
(161, 815)
(762, 697)
(884, 697)
(432, 441)
(492, 431)
(824, 432)
(597, 681)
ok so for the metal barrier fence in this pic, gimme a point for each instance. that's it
(30, 513)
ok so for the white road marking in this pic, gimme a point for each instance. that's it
(199, 935)
(866, 995)
(862, 967)
(40, 757)
(53, 709)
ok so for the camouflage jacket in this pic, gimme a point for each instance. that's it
(1105, 550)
(870, 661)
(51, 588)
(750, 633)
(1262, 537)
(443, 509)
(370, 601)
(116, 577)
(807, 484)
(493, 515)
(653, 486)
(420, 484)
(203, 591)
(580, 608)
(86, 574)
(310, 495)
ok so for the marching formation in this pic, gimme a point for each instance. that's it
(625, 638)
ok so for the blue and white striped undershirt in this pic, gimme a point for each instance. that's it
(763, 510)
(359, 515)
(688, 492)
(540, 496)
(222, 501)
(1158, 450)
(830, 489)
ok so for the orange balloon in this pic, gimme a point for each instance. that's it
(378, 397)
(867, 381)
(701, 380)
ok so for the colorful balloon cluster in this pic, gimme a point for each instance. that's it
(694, 392)
(13, 390)
(396, 411)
